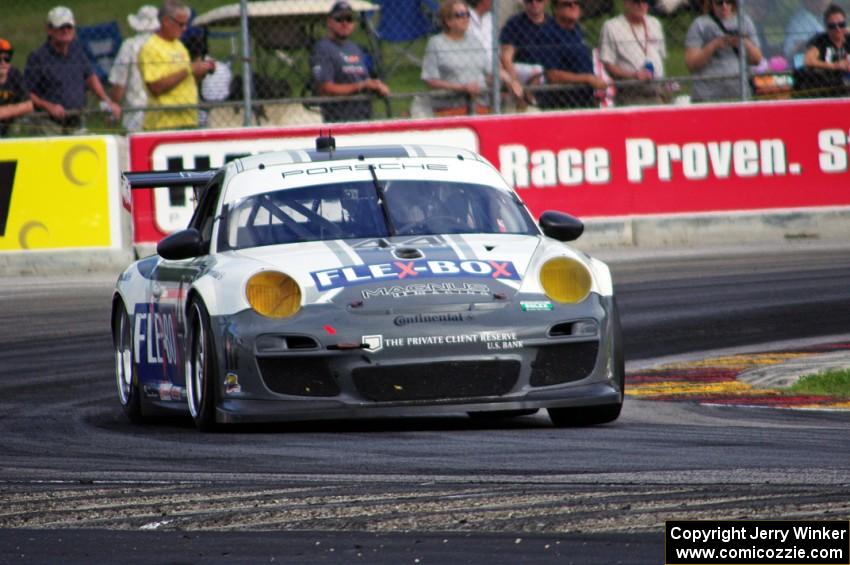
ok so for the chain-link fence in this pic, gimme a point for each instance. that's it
(281, 62)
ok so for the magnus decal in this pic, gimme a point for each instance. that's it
(411, 270)
(427, 289)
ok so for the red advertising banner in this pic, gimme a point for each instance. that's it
(620, 162)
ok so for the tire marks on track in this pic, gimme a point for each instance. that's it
(400, 506)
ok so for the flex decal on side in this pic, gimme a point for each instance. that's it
(155, 342)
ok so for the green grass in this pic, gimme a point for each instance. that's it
(831, 383)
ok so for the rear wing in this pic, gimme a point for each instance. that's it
(167, 179)
(156, 179)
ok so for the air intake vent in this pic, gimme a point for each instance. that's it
(565, 363)
(300, 342)
(271, 343)
(432, 381)
(298, 376)
(560, 330)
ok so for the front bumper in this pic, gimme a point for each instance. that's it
(314, 367)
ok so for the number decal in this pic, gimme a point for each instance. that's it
(7, 180)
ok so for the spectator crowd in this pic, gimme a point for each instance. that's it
(540, 56)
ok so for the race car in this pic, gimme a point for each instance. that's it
(384, 281)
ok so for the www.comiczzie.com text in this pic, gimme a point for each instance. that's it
(757, 542)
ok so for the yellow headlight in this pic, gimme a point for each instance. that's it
(565, 280)
(273, 294)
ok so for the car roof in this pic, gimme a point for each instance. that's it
(359, 153)
(285, 169)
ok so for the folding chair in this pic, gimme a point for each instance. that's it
(101, 43)
(402, 22)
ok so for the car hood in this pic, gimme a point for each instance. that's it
(425, 270)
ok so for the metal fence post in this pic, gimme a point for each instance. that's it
(497, 61)
(247, 78)
(742, 53)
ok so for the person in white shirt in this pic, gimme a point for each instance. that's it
(481, 25)
(632, 48)
(125, 79)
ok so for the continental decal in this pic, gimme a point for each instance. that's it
(411, 271)
(441, 318)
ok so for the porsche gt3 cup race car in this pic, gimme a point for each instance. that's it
(331, 283)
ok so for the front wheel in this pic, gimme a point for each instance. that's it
(126, 377)
(201, 368)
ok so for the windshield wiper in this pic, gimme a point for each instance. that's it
(379, 188)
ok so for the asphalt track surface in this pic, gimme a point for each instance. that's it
(79, 484)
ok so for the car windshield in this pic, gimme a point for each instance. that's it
(353, 210)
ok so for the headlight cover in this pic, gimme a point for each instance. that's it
(565, 280)
(273, 294)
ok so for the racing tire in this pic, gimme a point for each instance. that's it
(126, 376)
(201, 368)
(595, 415)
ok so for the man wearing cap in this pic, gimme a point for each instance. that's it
(169, 73)
(124, 77)
(58, 72)
(339, 69)
(14, 99)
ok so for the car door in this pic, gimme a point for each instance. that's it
(170, 284)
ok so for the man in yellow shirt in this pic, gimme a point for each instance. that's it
(168, 72)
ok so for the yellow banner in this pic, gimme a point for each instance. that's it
(55, 193)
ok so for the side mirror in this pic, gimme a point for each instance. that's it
(183, 244)
(561, 226)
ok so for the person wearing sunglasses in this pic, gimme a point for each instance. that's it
(340, 68)
(805, 23)
(57, 75)
(170, 74)
(712, 47)
(633, 50)
(827, 55)
(14, 98)
(457, 62)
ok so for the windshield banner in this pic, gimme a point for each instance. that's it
(611, 163)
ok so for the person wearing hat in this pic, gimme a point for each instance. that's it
(169, 73)
(124, 77)
(339, 69)
(58, 72)
(14, 99)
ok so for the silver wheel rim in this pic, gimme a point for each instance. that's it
(123, 360)
(196, 365)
